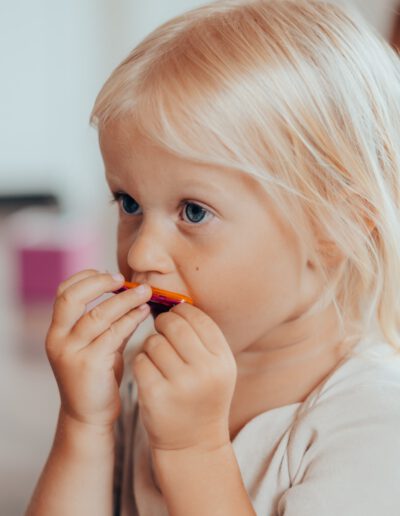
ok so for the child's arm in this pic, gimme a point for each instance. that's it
(186, 377)
(199, 482)
(85, 353)
(77, 478)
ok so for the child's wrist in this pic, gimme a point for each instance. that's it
(172, 456)
(65, 418)
(85, 438)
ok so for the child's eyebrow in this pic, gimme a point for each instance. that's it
(209, 188)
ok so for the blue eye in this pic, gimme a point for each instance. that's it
(194, 211)
(197, 213)
(126, 203)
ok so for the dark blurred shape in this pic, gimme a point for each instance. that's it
(395, 35)
(13, 202)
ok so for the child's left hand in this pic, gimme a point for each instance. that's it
(186, 380)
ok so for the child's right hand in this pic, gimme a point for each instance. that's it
(85, 349)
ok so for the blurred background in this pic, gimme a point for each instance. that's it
(55, 218)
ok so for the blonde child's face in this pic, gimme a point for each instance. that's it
(207, 233)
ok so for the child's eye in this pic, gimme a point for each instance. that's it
(125, 202)
(194, 211)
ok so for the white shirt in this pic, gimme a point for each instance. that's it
(335, 454)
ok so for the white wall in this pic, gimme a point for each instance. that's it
(55, 55)
(378, 12)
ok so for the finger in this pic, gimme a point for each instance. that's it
(182, 337)
(71, 304)
(99, 319)
(116, 337)
(163, 356)
(74, 278)
(145, 372)
(208, 332)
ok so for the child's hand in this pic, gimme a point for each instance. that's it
(186, 380)
(85, 349)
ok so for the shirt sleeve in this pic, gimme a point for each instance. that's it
(350, 465)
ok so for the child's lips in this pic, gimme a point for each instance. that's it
(159, 304)
(161, 300)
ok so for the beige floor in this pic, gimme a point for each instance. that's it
(29, 398)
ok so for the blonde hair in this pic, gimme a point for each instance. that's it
(304, 96)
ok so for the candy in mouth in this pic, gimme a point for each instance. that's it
(161, 300)
(160, 303)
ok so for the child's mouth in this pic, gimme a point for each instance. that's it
(161, 300)
(158, 308)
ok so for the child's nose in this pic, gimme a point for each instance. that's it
(150, 249)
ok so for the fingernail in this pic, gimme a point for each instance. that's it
(118, 277)
(141, 289)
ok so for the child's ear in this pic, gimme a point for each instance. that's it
(330, 253)
(322, 247)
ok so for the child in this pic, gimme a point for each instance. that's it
(278, 391)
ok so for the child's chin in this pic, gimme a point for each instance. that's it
(157, 308)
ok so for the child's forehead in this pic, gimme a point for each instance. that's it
(127, 152)
(121, 134)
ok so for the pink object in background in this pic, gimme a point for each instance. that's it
(48, 247)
